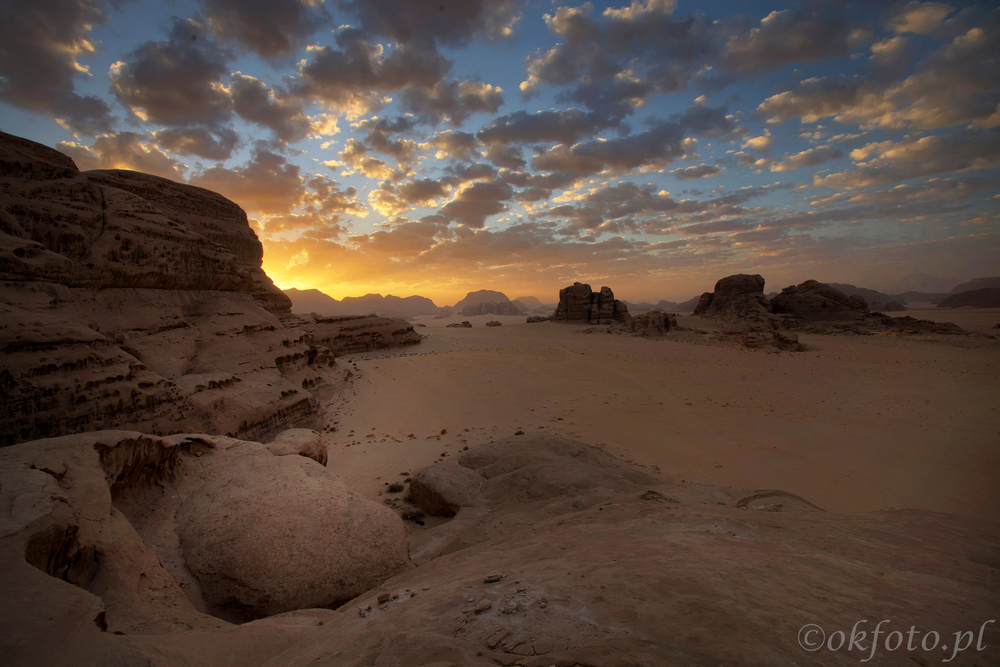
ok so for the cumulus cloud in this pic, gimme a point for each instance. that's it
(697, 171)
(125, 150)
(356, 155)
(475, 202)
(452, 101)
(39, 60)
(269, 28)
(177, 81)
(255, 102)
(807, 158)
(918, 17)
(268, 183)
(655, 147)
(452, 23)
(403, 238)
(217, 145)
(890, 162)
(452, 145)
(563, 126)
(958, 83)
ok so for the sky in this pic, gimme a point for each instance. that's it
(434, 148)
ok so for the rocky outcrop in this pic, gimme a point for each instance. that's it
(977, 284)
(314, 301)
(480, 296)
(891, 307)
(553, 547)
(494, 308)
(130, 301)
(494, 323)
(988, 297)
(579, 303)
(465, 324)
(532, 319)
(814, 301)
(650, 325)
(740, 295)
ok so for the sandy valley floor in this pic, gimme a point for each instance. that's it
(858, 423)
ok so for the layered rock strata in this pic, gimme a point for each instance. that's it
(579, 303)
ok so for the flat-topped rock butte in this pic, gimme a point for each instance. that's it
(601, 490)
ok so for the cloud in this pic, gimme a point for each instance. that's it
(761, 144)
(807, 158)
(355, 155)
(958, 83)
(125, 150)
(39, 60)
(918, 17)
(451, 101)
(327, 197)
(509, 157)
(423, 192)
(655, 147)
(452, 23)
(255, 102)
(404, 238)
(698, 171)
(475, 202)
(175, 82)
(199, 141)
(268, 183)
(563, 126)
(705, 121)
(269, 28)
(895, 161)
(452, 145)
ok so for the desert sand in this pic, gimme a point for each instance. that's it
(893, 423)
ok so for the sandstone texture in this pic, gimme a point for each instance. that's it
(579, 303)
(130, 301)
(556, 553)
(813, 301)
(739, 295)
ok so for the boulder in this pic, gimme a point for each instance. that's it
(442, 490)
(814, 301)
(494, 323)
(579, 303)
(299, 441)
(537, 318)
(465, 324)
(739, 295)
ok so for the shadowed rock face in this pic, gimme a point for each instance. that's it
(988, 297)
(579, 303)
(813, 301)
(131, 301)
(738, 295)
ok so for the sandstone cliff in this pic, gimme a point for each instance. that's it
(131, 301)
(579, 303)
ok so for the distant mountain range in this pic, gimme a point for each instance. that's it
(314, 301)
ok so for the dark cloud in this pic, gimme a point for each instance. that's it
(175, 82)
(477, 171)
(40, 44)
(269, 28)
(473, 203)
(702, 120)
(453, 145)
(268, 183)
(509, 157)
(451, 101)
(655, 147)
(125, 150)
(697, 171)
(566, 127)
(422, 192)
(217, 145)
(255, 102)
(451, 22)
(356, 156)
(327, 197)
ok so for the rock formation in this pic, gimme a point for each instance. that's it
(530, 302)
(465, 324)
(532, 319)
(740, 295)
(314, 301)
(578, 303)
(480, 296)
(494, 323)
(891, 307)
(988, 297)
(814, 301)
(977, 284)
(494, 308)
(650, 325)
(556, 553)
(131, 301)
